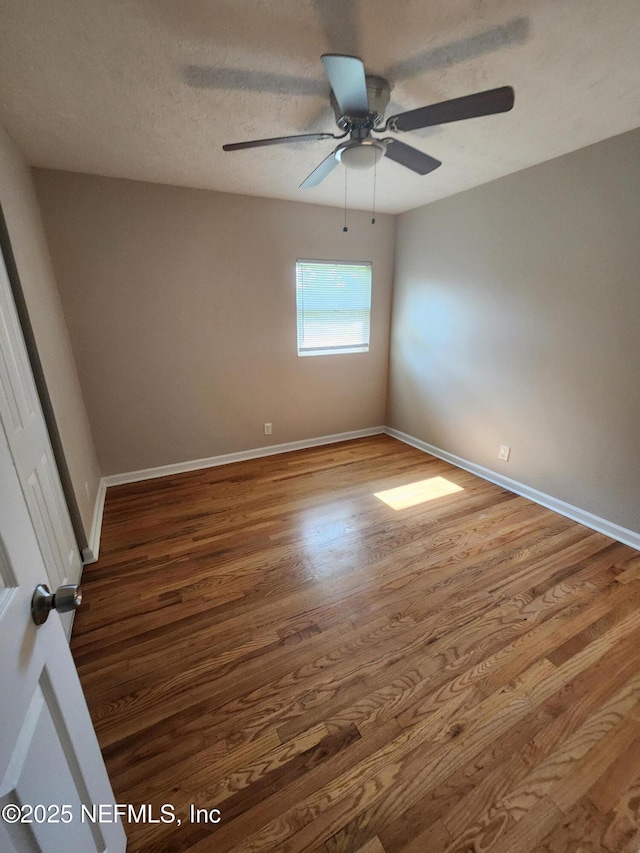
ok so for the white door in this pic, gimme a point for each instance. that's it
(52, 776)
(28, 439)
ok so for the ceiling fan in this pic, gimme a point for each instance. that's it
(359, 101)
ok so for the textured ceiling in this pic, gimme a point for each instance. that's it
(151, 89)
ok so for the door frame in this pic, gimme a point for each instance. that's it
(37, 372)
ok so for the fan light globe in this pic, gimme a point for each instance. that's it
(363, 154)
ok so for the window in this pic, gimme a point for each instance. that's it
(334, 306)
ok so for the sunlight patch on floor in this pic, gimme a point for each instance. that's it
(416, 493)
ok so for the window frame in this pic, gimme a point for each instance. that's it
(330, 349)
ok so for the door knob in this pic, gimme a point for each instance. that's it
(67, 597)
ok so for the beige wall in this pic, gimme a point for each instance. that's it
(181, 311)
(516, 320)
(33, 262)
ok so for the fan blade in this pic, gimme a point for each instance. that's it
(470, 106)
(410, 157)
(320, 172)
(277, 140)
(347, 79)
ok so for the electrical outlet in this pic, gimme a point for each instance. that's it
(267, 429)
(504, 452)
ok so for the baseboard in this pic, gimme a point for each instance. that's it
(602, 525)
(226, 458)
(90, 553)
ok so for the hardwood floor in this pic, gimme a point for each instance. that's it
(270, 639)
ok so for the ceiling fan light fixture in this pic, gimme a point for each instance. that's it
(360, 154)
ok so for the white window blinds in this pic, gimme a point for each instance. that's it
(334, 306)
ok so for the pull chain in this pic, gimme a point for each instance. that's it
(346, 172)
(373, 210)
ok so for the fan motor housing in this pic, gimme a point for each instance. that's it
(378, 92)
